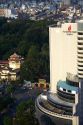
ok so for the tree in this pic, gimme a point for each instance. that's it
(10, 89)
(30, 68)
(4, 102)
(21, 109)
(23, 48)
(33, 52)
(25, 113)
(44, 59)
(7, 120)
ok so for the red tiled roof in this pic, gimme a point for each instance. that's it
(4, 62)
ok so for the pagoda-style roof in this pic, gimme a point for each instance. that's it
(15, 57)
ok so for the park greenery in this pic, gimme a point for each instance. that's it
(5, 102)
(25, 115)
(6, 98)
(30, 40)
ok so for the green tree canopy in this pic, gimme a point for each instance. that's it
(7, 120)
(10, 89)
(25, 113)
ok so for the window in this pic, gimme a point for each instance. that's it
(80, 61)
(80, 73)
(64, 89)
(69, 91)
(80, 57)
(80, 33)
(80, 52)
(80, 48)
(80, 38)
(80, 69)
(80, 65)
(80, 43)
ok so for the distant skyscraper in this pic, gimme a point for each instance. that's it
(63, 103)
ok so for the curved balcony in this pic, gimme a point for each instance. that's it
(66, 96)
(45, 107)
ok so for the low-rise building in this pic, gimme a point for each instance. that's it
(10, 69)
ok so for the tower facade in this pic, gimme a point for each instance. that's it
(63, 52)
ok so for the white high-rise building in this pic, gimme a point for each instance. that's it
(63, 52)
(63, 103)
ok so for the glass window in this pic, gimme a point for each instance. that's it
(69, 91)
(64, 89)
(80, 38)
(80, 33)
